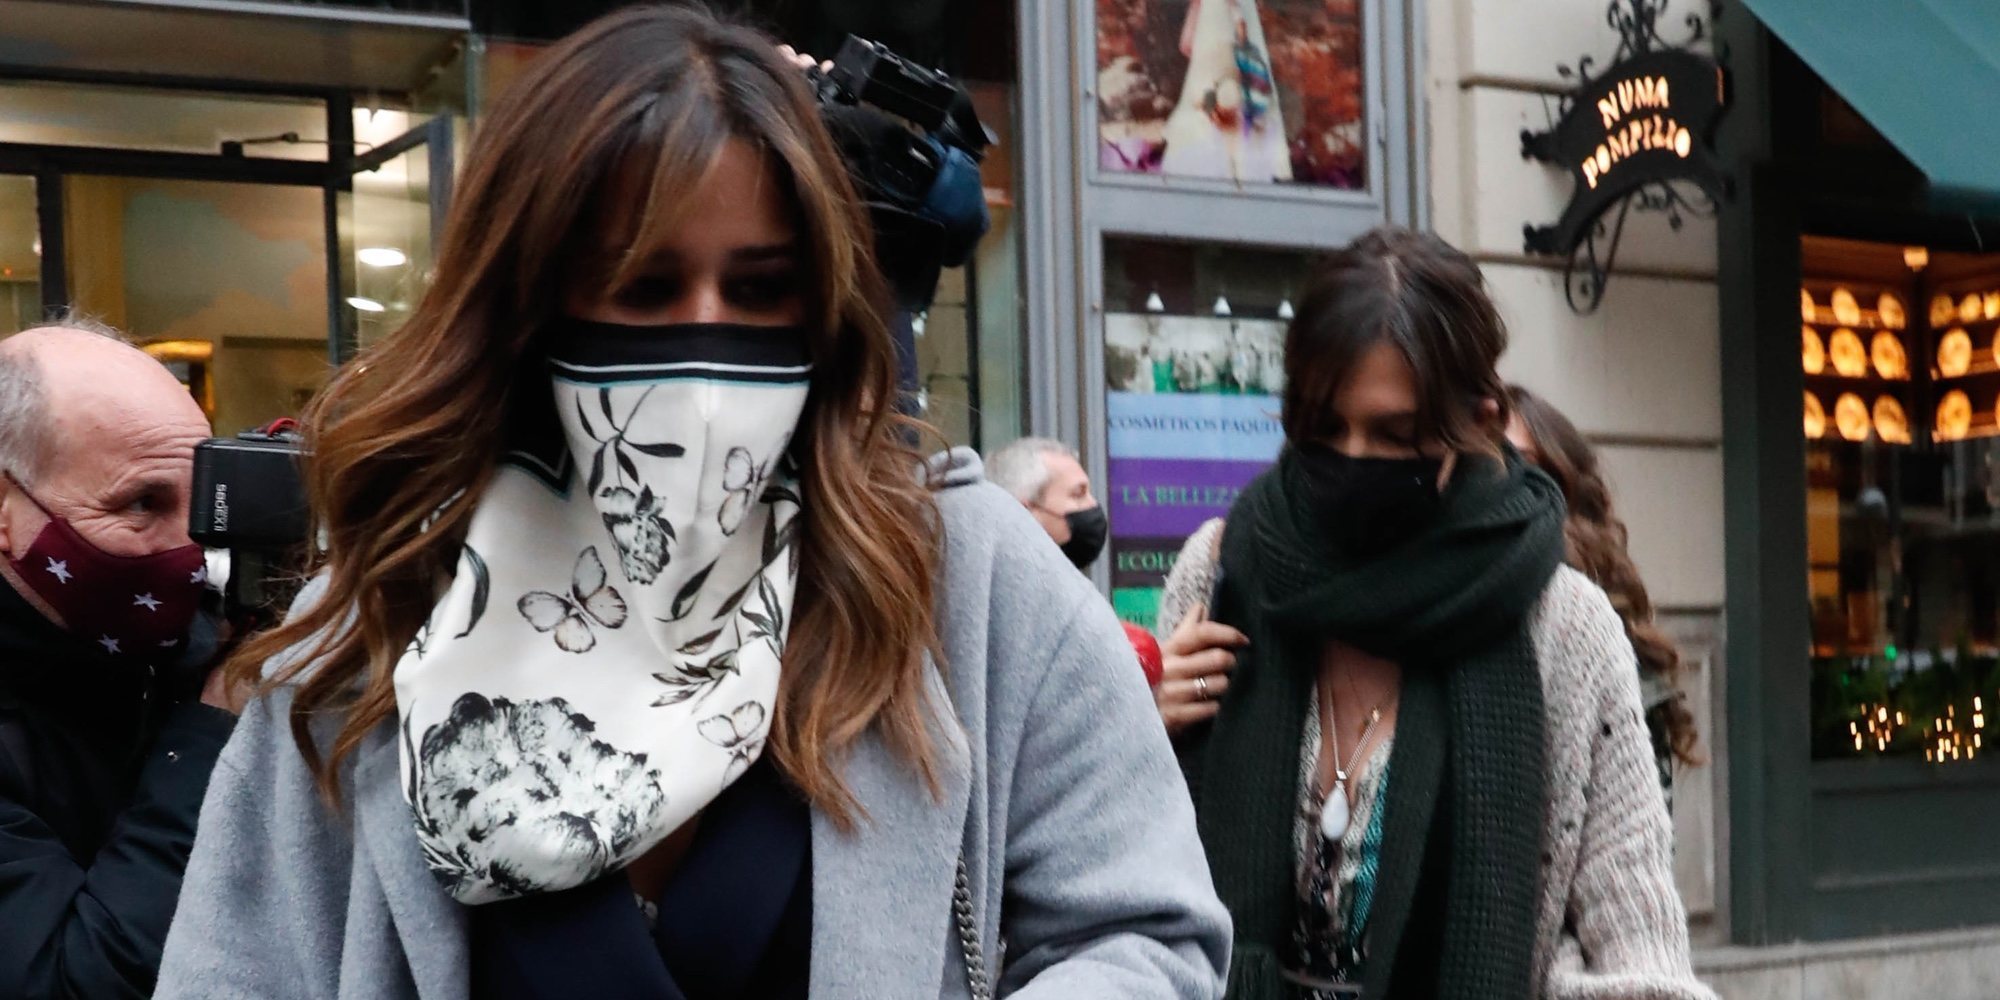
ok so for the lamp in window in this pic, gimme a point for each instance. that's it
(1954, 353)
(1942, 310)
(1886, 351)
(1812, 350)
(1851, 418)
(1846, 311)
(1890, 309)
(1954, 416)
(1850, 359)
(1892, 425)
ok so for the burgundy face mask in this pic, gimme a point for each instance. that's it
(129, 606)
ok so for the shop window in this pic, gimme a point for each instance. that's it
(111, 117)
(224, 282)
(387, 220)
(1253, 91)
(969, 350)
(1901, 355)
(20, 255)
(1194, 367)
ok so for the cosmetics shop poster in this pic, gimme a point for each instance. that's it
(1192, 417)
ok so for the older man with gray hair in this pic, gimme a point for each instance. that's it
(1048, 480)
(107, 731)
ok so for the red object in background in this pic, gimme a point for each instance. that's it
(1148, 649)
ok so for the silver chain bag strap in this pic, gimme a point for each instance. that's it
(968, 935)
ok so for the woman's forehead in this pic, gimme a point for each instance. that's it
(737, 202)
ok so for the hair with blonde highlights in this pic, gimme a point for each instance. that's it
(628, 113)
(1596, 542)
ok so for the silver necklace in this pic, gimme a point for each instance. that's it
(1334, 813)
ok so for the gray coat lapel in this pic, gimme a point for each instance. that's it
(882, 891)
(429, 923)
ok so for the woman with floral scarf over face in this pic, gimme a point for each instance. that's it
(647, 659)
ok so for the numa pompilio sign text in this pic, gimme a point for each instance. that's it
(1647, 120)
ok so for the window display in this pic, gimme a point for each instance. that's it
(1902, 420)
(1242, 90)
(1194, 368)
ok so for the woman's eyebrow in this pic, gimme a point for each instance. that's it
(765, 252)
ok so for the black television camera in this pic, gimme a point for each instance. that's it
(249, 499)
(898, 125)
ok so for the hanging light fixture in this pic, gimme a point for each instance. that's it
(1221, 306)
(1154, 303)
(1916, 258)
(1285, 308)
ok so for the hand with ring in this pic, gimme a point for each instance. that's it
(1196, 661)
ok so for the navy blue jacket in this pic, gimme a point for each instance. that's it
(101, 780)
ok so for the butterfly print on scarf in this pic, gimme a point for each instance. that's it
(591, 598)
(739, 731)
(740, 476)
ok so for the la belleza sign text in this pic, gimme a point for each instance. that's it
(1647, 120)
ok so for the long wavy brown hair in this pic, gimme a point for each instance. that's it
(1597, 548)
(619, 122)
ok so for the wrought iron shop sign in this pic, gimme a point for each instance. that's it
(1633, 135)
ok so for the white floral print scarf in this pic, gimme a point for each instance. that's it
(605, 661)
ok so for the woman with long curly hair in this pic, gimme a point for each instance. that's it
(1595, 539)
(646, 658)
(1412, 734)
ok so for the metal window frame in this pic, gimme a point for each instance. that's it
(49, 164)
(1069, 207)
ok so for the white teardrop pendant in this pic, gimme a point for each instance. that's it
(1333, 815)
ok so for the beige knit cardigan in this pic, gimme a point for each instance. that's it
(1611, 925)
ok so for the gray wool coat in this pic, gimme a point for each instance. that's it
(1058, 787)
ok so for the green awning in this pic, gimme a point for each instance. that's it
(1925, 73)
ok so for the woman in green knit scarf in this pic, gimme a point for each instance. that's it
(1413, 738)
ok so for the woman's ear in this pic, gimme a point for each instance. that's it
(1489, 412)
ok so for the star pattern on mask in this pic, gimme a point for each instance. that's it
(59, 568)
(110, 645)
(147, 601)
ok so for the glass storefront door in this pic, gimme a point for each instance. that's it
(393, 218)
(224, 282)
(20, 255)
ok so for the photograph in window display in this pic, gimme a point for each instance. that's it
(1244, 90)
(1195, 355)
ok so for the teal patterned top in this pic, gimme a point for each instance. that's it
(1336, 881)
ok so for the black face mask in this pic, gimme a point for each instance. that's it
(1370, 506)
(1087, 528)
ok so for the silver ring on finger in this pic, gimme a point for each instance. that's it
(1201, 689)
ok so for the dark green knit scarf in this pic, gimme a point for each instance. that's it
(1458, 888)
